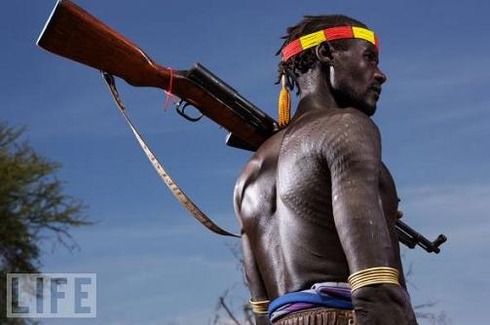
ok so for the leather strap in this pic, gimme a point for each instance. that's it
(173, 187)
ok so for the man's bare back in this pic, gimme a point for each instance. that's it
(300, 218)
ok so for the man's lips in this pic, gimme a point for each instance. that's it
(376, 89)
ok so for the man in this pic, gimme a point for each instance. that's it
(316, 204)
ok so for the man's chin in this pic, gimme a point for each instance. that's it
(371, 110)
(368, 109)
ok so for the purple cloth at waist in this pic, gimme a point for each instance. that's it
(327, 294)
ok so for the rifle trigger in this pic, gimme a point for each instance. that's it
(180, 108)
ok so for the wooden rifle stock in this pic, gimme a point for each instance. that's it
(75, 34)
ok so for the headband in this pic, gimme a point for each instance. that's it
(325, 35)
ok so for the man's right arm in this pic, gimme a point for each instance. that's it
(353, 155)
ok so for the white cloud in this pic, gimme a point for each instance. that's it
(461, 212)
(468, 201)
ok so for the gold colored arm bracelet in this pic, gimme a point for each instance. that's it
(260, 307)
(373, 275)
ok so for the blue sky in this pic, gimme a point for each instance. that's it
(155, 264)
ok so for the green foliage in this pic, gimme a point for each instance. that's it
(33, 208)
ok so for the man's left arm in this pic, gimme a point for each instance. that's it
(258, 294)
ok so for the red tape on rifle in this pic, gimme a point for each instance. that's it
(176, 191)
(170, 88)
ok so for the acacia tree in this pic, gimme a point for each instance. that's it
(33, 209)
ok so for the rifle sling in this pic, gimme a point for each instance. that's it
(174, 188)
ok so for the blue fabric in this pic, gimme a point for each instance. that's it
(312, 298)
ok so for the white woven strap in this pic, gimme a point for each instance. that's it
(174, 188)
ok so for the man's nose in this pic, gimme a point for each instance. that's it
(380, 76)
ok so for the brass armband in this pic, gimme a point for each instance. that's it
(260, 307)
(373, 275)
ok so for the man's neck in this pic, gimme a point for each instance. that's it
(315, 91)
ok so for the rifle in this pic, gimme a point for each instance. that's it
(410, 238)
(73, 33)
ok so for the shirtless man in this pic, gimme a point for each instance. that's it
(316, 205)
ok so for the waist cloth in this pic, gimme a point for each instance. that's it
(318, 316)
(328, 297)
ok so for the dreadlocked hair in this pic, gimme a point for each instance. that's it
(305, 60)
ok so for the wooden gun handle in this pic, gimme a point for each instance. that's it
(75, 34)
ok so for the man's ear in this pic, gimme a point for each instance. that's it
(323, 53)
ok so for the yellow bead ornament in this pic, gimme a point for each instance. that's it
(284, 104)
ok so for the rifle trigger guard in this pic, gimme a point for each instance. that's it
(180, 108)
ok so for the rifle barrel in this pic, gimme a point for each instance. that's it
(410, 237)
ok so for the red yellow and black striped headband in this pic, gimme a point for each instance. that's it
(325, 35)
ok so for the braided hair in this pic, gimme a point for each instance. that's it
(303, 61)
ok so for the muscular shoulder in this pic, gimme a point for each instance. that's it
(332, 132)
(264, 159)
(348, 124)
(350, 135)
(254, 193)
